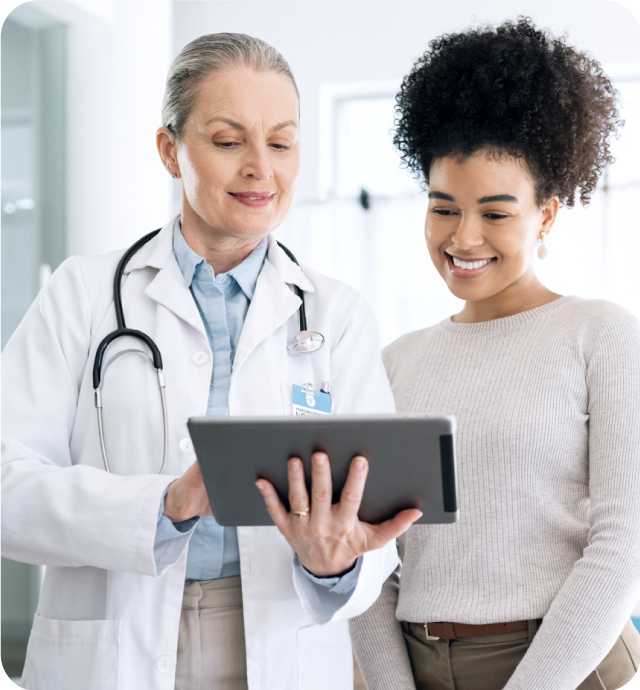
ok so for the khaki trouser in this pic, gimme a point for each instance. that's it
(211, 648)
(486, 662)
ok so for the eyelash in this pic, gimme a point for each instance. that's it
(491, 216)
(232, 144)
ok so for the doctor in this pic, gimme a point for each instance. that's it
(142, 588)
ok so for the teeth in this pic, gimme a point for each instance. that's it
(469, 265)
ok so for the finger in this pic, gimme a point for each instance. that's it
(276, 510)
(298, 496)
(351, 495)
(379, 535)
(321, 487)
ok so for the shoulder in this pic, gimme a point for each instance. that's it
(595, 312)
(594, 320)
(405, 355)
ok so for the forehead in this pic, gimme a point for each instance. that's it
(482, 174)
(246, 95)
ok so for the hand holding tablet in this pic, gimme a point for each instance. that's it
(328, 537)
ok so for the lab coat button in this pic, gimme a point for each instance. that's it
(186, 445)
(200, 358)
(165, 663)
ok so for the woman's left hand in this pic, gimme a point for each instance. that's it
(330, 538)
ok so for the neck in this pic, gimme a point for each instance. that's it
(222, 253)
(527, 293)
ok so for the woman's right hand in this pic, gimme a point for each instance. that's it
(187, 497)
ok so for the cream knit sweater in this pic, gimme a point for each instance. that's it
(548, 448)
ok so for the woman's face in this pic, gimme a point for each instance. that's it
(482, 225)
(239, 156)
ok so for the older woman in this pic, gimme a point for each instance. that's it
(533, 588)
(143, 589)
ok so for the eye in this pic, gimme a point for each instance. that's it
(280, 147)
(226, 144)
(444, 212)
(495, 216)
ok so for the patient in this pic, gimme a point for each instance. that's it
(534, 586)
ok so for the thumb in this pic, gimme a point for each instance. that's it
(381, 534)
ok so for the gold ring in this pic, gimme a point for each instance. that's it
(300, 513)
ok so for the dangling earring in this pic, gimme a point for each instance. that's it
(542, 249)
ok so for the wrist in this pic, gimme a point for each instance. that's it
(328, 576)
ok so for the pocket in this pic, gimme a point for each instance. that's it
(619, 666)
(74, 655)
(325, 659)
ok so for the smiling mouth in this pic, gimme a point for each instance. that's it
(470, 265)
(253, 196)
(468, 268)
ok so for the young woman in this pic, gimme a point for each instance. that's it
(534, 586)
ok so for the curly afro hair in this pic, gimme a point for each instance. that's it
(510, 89)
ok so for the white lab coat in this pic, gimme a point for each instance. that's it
(110, 603)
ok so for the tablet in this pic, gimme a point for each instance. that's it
(411, 462)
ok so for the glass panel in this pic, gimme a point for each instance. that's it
(32, 205)
(20, 247)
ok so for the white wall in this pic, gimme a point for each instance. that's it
(328, 41)
(118, 55)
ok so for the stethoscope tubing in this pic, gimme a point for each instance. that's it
(156, 357)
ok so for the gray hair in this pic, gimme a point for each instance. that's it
(209, 54)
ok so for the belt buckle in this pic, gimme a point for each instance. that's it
(429, 637)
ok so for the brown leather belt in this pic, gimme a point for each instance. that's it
(452, 631)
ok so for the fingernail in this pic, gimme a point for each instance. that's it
(296, 465)
(319, 459)
(259, 485)
(359, 462)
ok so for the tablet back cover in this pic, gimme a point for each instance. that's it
(411, 462)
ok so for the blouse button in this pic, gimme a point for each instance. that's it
(200, 358)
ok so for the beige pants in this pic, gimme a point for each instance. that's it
(211, 649)
(486, 662)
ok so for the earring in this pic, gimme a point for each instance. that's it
(174, 176)
(542, 249)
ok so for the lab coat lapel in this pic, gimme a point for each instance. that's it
(273, 303)
(168, 289)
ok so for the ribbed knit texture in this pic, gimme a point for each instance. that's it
(548, 448)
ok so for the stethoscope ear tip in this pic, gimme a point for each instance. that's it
(304, 342)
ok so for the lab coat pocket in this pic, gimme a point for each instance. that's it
(325, 659)
(74, 655)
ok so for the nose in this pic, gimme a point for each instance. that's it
(467, 234)
(257, 164)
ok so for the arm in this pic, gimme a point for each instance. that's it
(595, 601)
(55, 510)
(378, 642)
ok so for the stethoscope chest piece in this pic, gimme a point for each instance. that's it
(304, 342)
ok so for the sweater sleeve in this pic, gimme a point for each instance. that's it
(378, 642)
(590, 609)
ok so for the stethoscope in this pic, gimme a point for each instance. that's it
(304, 342)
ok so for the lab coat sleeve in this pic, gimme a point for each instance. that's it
(55, 510)
(359, 386)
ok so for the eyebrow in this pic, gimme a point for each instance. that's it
(242, 128)
(482, 200)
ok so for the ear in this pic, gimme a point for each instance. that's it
(549, 212)
(166, 143)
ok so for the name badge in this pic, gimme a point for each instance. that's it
(306, 402)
